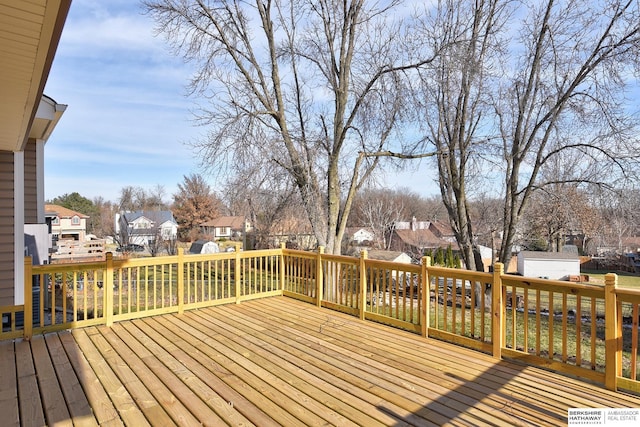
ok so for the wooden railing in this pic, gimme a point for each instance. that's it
(584, 330)
(589, 331)
(83, 294)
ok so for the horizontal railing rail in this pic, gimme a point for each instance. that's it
(584, 330)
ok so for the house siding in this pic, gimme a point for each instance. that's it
(7, 274)
(30, 183)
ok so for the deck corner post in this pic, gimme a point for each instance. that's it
(108, 290)
(28, 298)
(238, 275)
(498, 311)
(362, 266)
(613, 341)
(319, 276)
(180, 280)
(425, 287)
(282, 267)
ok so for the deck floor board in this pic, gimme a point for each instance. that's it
(275, 361)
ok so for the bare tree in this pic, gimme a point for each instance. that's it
(302, 86)
(619, 218)
(518, 90)
(269, 199)
(566, 95)
(134, 198)
(156, 243)
(104, 221)
(555, 212)
(379, 210)
(456, 99)
(487, 221)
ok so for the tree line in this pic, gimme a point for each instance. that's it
(591, 218)
(312, 99)
(194, 203)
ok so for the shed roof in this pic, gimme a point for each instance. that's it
(384, 255)
(548, 255)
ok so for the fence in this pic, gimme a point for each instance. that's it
(583, 330)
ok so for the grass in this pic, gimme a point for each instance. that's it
(628, 280)
(554, 330)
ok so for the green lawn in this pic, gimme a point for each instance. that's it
(629, 280)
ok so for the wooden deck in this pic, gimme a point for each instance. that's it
(274, 361)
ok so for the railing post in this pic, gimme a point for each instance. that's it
(283, 246)
(425, 286)
(28, 298)
(319, 276)
(363, 284)
(498, 311)
(108, 290)
(238, 275)
(613, 353)
(180, 280)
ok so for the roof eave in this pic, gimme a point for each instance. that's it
(23, 89)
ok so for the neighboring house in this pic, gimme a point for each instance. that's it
(360, 236)
(226, 227)
(416, 241)
(630, 244)
(294, 232)
(27, 119)
(66, 224)
(443, 231)
(143, 227)
(69, 237)
(414, 224)
(548, 265)
(418, 236)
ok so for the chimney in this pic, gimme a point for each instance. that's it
(413, 224)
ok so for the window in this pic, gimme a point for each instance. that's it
(75, 220)
(55, 221)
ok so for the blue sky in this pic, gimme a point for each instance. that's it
(127, 118)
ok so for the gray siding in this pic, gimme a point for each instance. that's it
(7, 274)
(30, 184)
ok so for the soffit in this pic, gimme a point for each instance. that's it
(29, 35)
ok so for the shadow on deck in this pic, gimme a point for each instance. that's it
(275, 361)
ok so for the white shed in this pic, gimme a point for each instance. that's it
(549, 265)
(204, 247)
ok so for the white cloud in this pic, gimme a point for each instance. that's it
(127, 118)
